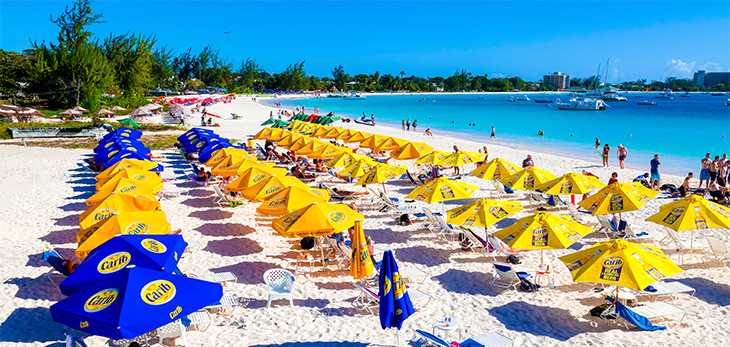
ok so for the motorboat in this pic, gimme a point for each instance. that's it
(544, 101)
(717, 94)
(667, 95)
(335, 95)
(647, 103)
(355, 96)
(524, 98)
(585, 104)
(607, 96)
(685, 95)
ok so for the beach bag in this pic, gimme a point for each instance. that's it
(600, 309)
(527, 286)
(307, 243)
(404, 219)
(670, 188)
(512, 259)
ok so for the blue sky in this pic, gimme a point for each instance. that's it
(651, 39)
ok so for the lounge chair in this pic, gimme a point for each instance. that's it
(416, 181)
(579, 216)
(225, 306)
(369, 300)
(666, 289)
(655, 312)
(719, 250)
(508, 275)
(490, 339)
(75, 341)
(536, 199)
(222, 199)
(499, 191)
(478, 243)
(198, 320)
(56, 262)
(223, 278)
(280, 283)
(262, 153)
(339, 254)
(441, 229)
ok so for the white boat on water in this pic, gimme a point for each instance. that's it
(606, 96)
(355, 96)
(667, 95)
(585, 104)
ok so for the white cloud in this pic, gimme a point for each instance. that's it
(711, 67)
(679, 68)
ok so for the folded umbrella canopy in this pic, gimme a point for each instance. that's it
(121, 223)
(291, 199)
(618, 197)
(133, 302)
(122, 186)
(155, 252)
(483, 212)
(114, 204)
(317, 219)
(495, 169)
(528, 178)
(142, 165)
(395, 303)
(146, 178)
(361, 265)
(441, 189)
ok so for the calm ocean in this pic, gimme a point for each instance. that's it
(681, 131)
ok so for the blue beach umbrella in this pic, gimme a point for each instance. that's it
(134, 301)
(395, 304)
(123, 132)
(116, 140)
(155, 252)
(129, 155)
(112, 150)
(193, 135)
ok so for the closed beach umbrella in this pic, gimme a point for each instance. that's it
(114, 204)
(122, 223)
(528, 178)
(390, 144)
(411, 150)
(253, 175)
(133, 302)
(618, 197)
(317, 219)
(129, 122)
(495, 169)
(122, 186)
(263, 134)
(373, 141)
(123, 164)
(571, 184)
(290, 199)
(328, 151)
(361, 265)
(268, 186)
(483, 212)
(441, 189)
(148, 179)
(359, 136)
(357, 169)
(155, 252)
(434, 157)
(395, 303)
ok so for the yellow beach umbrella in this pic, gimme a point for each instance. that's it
(618, 197)
(317, 219)
(460, 158)
(277, 134)
(528, 178)
(391, 143)
(373, 141)
(411, 150)
(328, 151)
(543, 231)
(146, 178)
(300, 143)
(289, 139)
(571, 184)
(263, 133)
(226, 164)
(344, 159)
(441, 189)
(346, 134)
(495, 169)
(311, 147)
(380, 173)
(252, 175)
(434, 157)
(321, 131)
(357, 168)
(359, 136)
(224, 153)
(361, 265)
(241, 166)
(291, 199)
(333, 133)
(483, 212)
(114, 204)
(122, 223)
(620, 263)
(122, 186)
(145, 165)
(268, 186)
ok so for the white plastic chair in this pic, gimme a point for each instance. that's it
(280, 283)
(719, 249)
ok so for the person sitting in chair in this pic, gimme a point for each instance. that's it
(348, 193)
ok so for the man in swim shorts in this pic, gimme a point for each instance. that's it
(655, 177)
(705, 172)
(713, 169)
(622, 153)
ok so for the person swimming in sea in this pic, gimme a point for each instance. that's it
(541, 133)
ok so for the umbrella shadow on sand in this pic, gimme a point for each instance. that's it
(708, 291)
(33, 325)
(68, 221)
(75, 207)
(248, 272)
(545, 321)
(39, 288)
(311, 303)
(464, 282)
(212, 214)
(60, 237)
(199, 202)
(423, 255)
(224, 229)
(234, 247)
(317, 344)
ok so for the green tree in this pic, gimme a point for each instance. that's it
(250, 71)
(130, 57)
(13, 73)
(340, 77)
(163, 73)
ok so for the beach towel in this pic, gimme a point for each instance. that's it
(636, 319)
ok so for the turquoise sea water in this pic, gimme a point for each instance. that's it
(681, 131)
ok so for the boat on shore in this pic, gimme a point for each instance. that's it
(585, 104)
(647, 103)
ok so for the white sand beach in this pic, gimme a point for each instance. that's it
(43, 193)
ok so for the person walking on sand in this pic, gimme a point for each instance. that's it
(456, 168)
(655, 177)
(493, 136)
(414, 125)
(604, 155)
(705, 171)
(408, 124)
(598, 144)
(403, 124)
(622, 153)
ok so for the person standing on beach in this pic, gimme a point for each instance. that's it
(403, 124)
(598, 144)
(486, 153)
(528, 162)
(408, 124)
(604, 155)
(622, 153)
(655, 177)
(456, 168)
(414, 125)
(705, 171)
(492, 136)
(713, 169)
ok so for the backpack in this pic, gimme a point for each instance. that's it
(512, 259)
(404, 219)
(527, 286)
(307, 243)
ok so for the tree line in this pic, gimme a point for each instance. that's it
(80, 69)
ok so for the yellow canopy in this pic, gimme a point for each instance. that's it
(226, 164)
(461, 158)
(223, 153)
(390, 144)
(543, 231)
(145, 165)
(344, 159)
(241, 166)
(252, 175)
(333, 133)
(277, 134)
(311, 147)
(373, 141)
(692, 212)
(122, 223)
(122, 186)
(434, 157)
(483, 212)
(268, 186)
(571, 184)
(357, 168)
(328, 151)
(528, 178)
(618, 197)
(321, 131)
(146, 178)
(289, 140)
(621, 263)
(263, 133)
(359, 136)
(316, 220)
(113, 204)
(442, 189)
(301, 142)
(411, 150)
(346, 134)
(361, 265)
(380, 173)
(495, 169)
(291, 199)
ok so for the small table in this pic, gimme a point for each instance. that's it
(446, 329)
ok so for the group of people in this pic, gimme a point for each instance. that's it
(714, 173)
(406, 124)
(621, 153)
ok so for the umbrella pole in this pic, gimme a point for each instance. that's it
(691, 246)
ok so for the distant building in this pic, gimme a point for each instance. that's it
(557, 80)
(709, 79)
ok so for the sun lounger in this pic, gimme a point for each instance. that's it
(444, 229)
(508, 275)
(192, 246)
(580, 216)
(664, 289)
(225, 306)
(657, 312)
(172, 330)
(719, 250)
(478, 244)
(340, 254)
(222, 278)
(416, 181)
(536, 199)
(337, 196)
(490, 339)
(222, 199)
(198, 320)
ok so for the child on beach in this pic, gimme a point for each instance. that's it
(428, 132)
